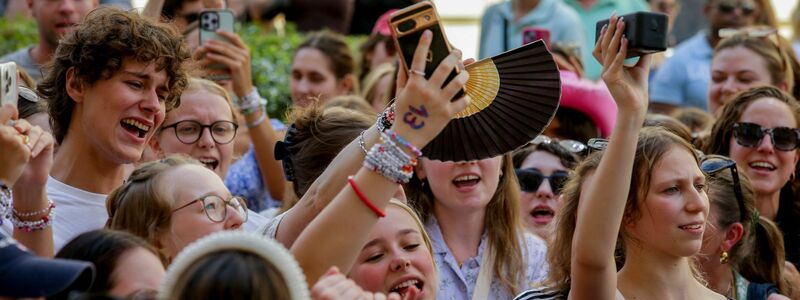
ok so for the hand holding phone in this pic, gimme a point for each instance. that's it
(212, 20)
(646, 32)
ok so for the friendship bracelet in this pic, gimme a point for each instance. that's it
(400, 140)
(251, 102)
(5, 202)
(390, 161)
(362, 143)
(35, 213)
(258, 121)
(364, 199)
(31, 226)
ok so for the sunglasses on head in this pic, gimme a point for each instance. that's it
(713, 164)
(572, 146)
(728, 6)
(751, 134)
(531, 179)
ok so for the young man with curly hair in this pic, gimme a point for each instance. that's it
(108, 87)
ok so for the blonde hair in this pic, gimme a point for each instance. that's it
(140, 206)
(200, 84)
(370, 82)
(502, 222)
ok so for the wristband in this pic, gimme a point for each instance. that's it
(257, 122)
(250, 103)
(364, 198)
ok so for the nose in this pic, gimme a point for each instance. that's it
(544, 190)
(399, 263)
(730, 86)
(206, 140)
(696, 202)
(150, 103)
(234, 220)
(67, 6)
(766, 145)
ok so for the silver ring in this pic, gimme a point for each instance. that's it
(418, 72)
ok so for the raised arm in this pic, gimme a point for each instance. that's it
(602, 204)
(336, 236)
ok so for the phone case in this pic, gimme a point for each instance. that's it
(646, 32)
(210, 21)
(8, 84)
(408, 25)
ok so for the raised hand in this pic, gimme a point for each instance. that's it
(13, 146)
(628, 85)
(41, 145)
(423, 106)
(235, 56)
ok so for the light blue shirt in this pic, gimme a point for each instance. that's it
(553, 15)
(600, 11)
(682, 80)
(458, 282)
(244, 179)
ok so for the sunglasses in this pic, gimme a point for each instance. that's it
(750, 135)
(531, 179)
(713, 164)
(729, 6)
(570, 145)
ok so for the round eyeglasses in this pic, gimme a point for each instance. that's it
(215, 207)
(190, 131)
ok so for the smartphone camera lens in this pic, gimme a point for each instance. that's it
(407, 25)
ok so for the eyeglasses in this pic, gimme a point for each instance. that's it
(569, 145)
(712, 164)
(215, 207)
(728, 6)
(750, 135)
(531, 179)
(189, 131)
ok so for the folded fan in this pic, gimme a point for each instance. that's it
(514, 95)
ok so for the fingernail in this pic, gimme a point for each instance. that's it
(619, 21)
(427, 33)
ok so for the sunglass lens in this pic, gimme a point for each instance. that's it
(529, 180)
(713, 165)
(726, 7)
(785, 139)
(748, 9)
(748, 134)
(557, 182)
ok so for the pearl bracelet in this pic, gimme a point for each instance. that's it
(31, 226)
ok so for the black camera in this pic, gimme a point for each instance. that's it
(646, 32)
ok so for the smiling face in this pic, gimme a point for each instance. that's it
(118, 116)
(768, 168)
(672, 217)
(313, 77)
(206, 108)
(732, 71)
(54, 18)
(462, 186)
(396, 257)
(538, 208)
(186, 184)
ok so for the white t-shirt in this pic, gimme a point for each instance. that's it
(77, 211)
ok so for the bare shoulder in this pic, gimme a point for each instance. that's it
(777, 297)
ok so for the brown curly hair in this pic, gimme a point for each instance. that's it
(96, 50)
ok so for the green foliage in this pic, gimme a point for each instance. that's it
(271, 53)
(16, 33)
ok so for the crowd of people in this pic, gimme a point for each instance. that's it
(129, 170)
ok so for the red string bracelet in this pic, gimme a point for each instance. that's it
(364, 199)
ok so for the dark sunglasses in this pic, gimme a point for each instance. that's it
(713, 164)
(748, 8)
(531, 179)
(751, 134)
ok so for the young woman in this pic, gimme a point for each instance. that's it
(741, 62)
(125, 264)
(383, 248)
(542, 168)
(648, 188)
(742, 253)
(758, 129)
(322, 68)
(173, 202)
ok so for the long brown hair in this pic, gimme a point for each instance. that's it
(502, 222)
(652, 144)
(779, 58)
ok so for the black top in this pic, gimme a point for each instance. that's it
(788, 220)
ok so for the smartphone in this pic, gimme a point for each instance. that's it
(532, 34)
(8, 84)
(407, 26)
(646, 32)
(212, 20)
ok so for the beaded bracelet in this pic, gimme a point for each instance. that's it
(251, 102)
(390, 161)
(364, 198)
(362, 143)
(258, 121)
(31, 226)
(400, 140)
(385, 119)
(34, 213)
(5, 202)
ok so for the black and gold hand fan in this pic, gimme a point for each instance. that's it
(514, 95)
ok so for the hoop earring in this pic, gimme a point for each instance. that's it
(723, 257)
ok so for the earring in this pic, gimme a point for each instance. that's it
(723, 257)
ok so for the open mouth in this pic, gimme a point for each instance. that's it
(135, 127)
(210, 163)
(403, 287)
(466, 180)
(542, 214)
(763, 166)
